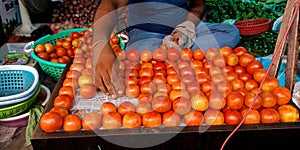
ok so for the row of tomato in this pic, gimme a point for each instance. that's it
(172, 87)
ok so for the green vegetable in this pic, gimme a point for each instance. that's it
(35, 113)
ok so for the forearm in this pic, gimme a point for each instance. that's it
(196, 11)
(104, 21)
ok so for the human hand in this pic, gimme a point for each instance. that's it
(183, 36)
(105, 72)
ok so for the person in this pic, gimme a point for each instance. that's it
(151, 23)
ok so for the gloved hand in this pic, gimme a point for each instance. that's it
(183, 36)
(105, 71)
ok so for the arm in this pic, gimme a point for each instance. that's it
(196, 10)
(105, 74)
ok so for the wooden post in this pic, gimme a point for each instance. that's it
(292, 58)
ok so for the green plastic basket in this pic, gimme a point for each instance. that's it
(19, 108)
(54, 70)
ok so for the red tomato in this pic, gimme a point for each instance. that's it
(232, 116)
(146, 55)
(268, 99)
(146, 65)
(131, 120)
(51, 121)
(193, 118)
(259, 75)
(269, 115)
(111, 120)
(146, 72)
(253, 66)
(270, 84)
(49, 48)
(125, 107)
(43, 55)
(251, 84)
(108, 107)
(235, 100)
(245, 59)
(72, 122)
(63, 100)
(240, 50)
(198, 54)
(145, 97)
(60, 51)
(143, 107)
(250, 98)
(151, 119)
(230, 75)
(226, 50)
(178, 93)
(282, 94)
(213, 117)
(182, 105)
(161, 104)
(245, 77)
(60, 110)
(132, 90)
(92, 121)
(186, 54)
(252, 118)
(237, 84)
(115, 39)
(170, 118)
(68, 90)
(148, 87)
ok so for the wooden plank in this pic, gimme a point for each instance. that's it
(283, 29)
(292, 54)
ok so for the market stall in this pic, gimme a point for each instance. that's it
(176, 98)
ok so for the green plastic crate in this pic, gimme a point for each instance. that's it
(54, 70)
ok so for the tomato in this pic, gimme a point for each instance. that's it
(270, 84)
(145, 97)
(60, 110)
(51, 121)
(85, 79)
(66, 44)
(68, 38)
(237, 84)
(76, 43)
(243, 91)
(115, 39)
(159, 54)
(60, 51)
(216, 101)
(218, 78)
(68, 90)
(245, 59)
(146, 72)
(250, 98)
(187, 71)
(173, 54)
(146, 65)
(226, 50)
(230, 75)
(253, 66)
(288, 113)
(200, 102)
(148, 87)
(172, 78)
(253, 116)
(211, 53)
(39, 48)
(214, 70)
(202, 78)
(72, 122)
(198, 54)
(125, 107)
(160, 72)
(74, 35)
(269, 115)
(227, 69)
(87, 91)
(213, 117)
(186, 54)
(232, 116)
(63, 100)
(92, 121)
(73, 74)
(49, 48)
(193, 118)
(132, 120)
(239, 69)
(146, 55)
(251, 84)
(235, 100)
(232, 59)
(43, 55)
(268, 99)
(143, 107)
(53, 55)
(206, 86)
(159, 66)
(224, 86)
(245, 77)
(178, 93)
(219, 61)
(121, 55)
(111, 120)
(282, 94)
(171, 118)
(151, 119)
(158, 79)
(259, 75)
(59, 42)
(196, 64)
(163, 87)
(182, 105)
(108, 107)
(132, 90)
(161, 104)
(133, 55)
(179, 86)
(240, 50)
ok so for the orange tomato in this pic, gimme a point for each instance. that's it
(72, 122)
(92, 121)
(51, 121)
(63, 100)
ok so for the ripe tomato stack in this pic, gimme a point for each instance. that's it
(176, 87)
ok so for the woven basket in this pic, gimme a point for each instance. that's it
(253, 26)
(54, 70)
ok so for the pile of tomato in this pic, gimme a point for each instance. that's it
(179, 87)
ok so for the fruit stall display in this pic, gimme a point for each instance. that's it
(167, 88)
